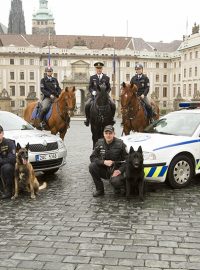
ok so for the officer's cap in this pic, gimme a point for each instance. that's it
(98, 64)
(138, 66)
(1, 129)
(109, 128)
(48, 69)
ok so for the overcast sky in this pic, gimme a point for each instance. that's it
(152, 20)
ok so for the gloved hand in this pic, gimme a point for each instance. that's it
(94, 93)
(52, 96)
(142, 96)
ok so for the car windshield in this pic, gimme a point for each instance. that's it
(180, 124)
(13, 122)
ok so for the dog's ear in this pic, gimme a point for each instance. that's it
(140, 149)
(18, 147)
(131, 150)
(27, 146)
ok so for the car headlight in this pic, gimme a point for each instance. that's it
(149, 156)
(60, 144)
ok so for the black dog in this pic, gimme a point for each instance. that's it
(135, 172)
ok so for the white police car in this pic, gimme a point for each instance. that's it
(171, 146)
(47, 152)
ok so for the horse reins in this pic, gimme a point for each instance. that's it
(128, 109)
(63, 115)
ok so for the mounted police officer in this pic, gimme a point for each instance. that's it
(107, 161)
(97, 80)
(7, 165)
(142, 82)
(50, 90)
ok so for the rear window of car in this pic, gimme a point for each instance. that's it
(11, 121)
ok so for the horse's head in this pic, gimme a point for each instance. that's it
(128, 93)
(68, 95)
(102, 96)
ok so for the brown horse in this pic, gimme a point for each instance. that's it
(62, 109)
(133, 112)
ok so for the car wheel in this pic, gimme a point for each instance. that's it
(52, 171)
(180, 172)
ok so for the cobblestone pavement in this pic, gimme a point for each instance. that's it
(66, 228)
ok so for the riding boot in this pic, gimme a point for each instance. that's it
(42, 122)
(154, 113)
(87, 114)
(113, 110)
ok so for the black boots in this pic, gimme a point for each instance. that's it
(98, 193)
(87, 122)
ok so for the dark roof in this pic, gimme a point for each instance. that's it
(165, 47)
(91, 42)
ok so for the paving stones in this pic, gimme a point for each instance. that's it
(66, 228)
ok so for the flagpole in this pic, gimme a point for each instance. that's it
(113, 75)
(49, 52)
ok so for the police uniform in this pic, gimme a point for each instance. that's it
(7, 166)
(142, 82)
(115, 151)
(95, 82)
(48, 86)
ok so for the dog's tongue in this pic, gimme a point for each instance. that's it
(24, 161)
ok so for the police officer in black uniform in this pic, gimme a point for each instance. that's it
(7, 165)
(96, 80)
(50, 90)
(108, 162)
(142, 82)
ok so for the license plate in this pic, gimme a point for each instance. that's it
(46, 157)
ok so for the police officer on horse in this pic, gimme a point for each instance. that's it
(98, 80)
(142, 82)
(50, 90)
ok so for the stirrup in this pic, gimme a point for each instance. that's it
(42, 125)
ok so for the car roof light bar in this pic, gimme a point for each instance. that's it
(189, 104)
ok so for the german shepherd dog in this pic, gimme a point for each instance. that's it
(135, 173)
(25, 179)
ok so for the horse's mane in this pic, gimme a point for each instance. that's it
(102, 95)
(66, 89)
(127, 87)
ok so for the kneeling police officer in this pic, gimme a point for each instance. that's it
(108, 162)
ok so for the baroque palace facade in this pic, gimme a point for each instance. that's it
(173, 68)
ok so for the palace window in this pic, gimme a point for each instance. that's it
(21, 75)
(12, 75)
(22, 90)
(32, 77)
(164, 91)
(12, 90)
(12, 61)
(127, 77)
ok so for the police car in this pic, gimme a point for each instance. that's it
(47, 152)
(171, 146)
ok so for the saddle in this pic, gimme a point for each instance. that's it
(147, 109)
(37, 111)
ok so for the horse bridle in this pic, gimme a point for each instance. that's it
(63, 115)
(128, 109)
